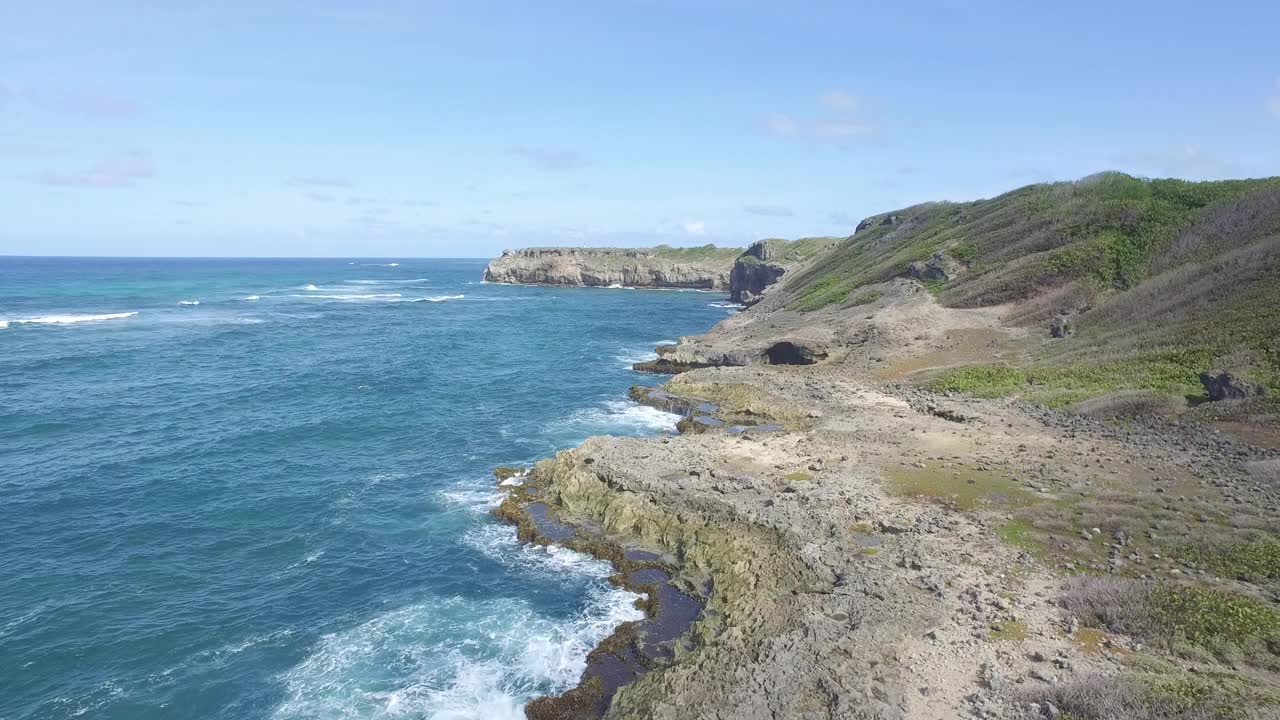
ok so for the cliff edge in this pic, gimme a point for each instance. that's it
(697, 268)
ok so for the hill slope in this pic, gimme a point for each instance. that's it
(1160, 278)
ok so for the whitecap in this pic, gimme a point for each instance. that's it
(640, 353)
(373, 296)
(624, 416)
(253, 297)
(4, 324)
(68, 319)
(727, 305)
(188, 302)
(475, 499)
(410, 662)
(389, 282)
(499, 542)
(436, 298)
(310, 286)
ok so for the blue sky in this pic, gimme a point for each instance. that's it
(458, 129)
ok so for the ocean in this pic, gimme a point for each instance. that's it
(260, 488)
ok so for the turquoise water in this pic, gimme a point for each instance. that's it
(272, 503)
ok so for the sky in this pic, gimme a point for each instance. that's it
(458, 129)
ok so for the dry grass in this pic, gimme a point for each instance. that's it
(1168, 696)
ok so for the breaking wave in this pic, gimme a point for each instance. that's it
(65, 319)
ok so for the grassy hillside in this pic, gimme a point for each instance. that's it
(701, 252)
(1163, 277)
(785, 252)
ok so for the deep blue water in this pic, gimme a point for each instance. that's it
(272, 504)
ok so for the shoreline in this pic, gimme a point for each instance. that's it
(857, 545)
(633, 648)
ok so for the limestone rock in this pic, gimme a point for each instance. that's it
(694, 268)
(938, 266)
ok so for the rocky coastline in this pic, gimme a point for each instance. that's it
(864, 540)
(662, 267)
(843, 539)
(744, 274)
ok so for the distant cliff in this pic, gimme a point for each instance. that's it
(765, 262)
(701, 268)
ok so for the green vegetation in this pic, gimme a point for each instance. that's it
(701, 252)
(963, 487)
(1106, 232)
(1009, 631)
(1175, 372)
(1258, 560)
(743, 402)
(1021, 534)
(1211, 618)
(864, 298)
(1223, 695)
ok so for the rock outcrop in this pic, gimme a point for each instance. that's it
(766, 261)
(701, 268)
(938, 266)
(1226, 385)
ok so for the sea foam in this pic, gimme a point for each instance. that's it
(67, 319)
(408, 662)
(623, 416)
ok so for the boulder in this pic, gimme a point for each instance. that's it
(938, 266)
(1062, 326)
(1228, 385)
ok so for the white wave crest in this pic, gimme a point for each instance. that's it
(373, 296)
(726, 305)
(640, 353)
(66, 319)
(624, 416)
(310, 286)
(436, 298)
(406, 281)
(476, 499)
(410, 662)
(499, 542)
(188, 302)
(254, 297)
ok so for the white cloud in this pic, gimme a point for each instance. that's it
(842, 120)
(780, 124)
(694, 227)
(549, 159)
(840, 101)
(117, 171)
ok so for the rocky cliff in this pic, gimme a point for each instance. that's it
(701, 268)
(765, 262)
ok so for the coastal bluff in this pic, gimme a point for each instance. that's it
(698, 268)
(745, 274)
